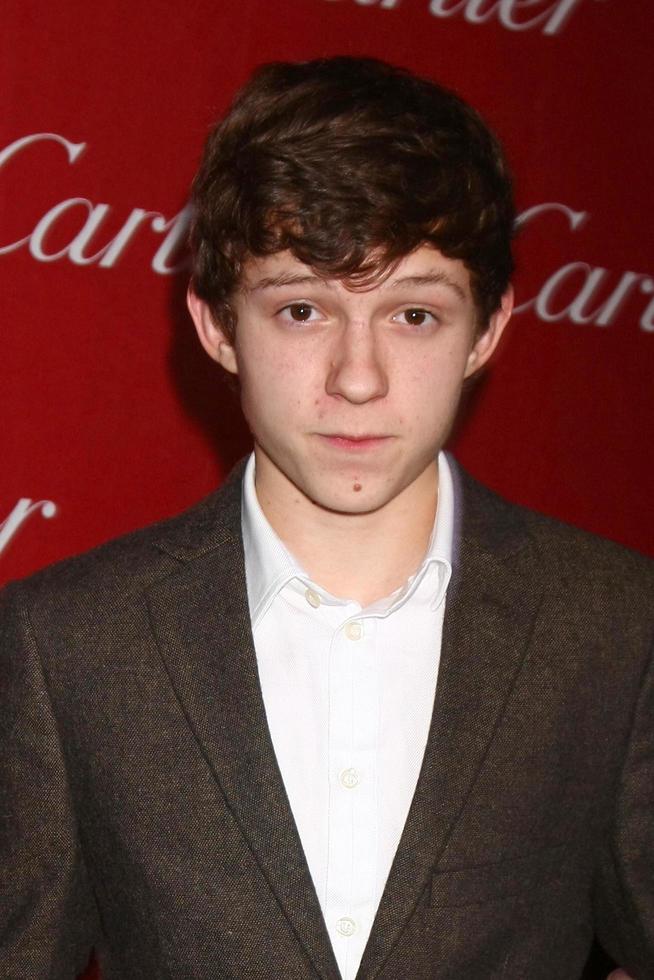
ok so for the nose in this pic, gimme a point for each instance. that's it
(356, 370)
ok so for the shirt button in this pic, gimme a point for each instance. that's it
(353, 631)
(312, 598)
(346, 926)
(350, 778)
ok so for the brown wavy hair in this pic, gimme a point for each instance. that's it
(351, 164)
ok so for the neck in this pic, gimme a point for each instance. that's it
(364, 557)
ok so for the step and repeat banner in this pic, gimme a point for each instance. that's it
(112, 417)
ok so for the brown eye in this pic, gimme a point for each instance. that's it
(300, 312)
(416, 318)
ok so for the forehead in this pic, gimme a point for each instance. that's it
(423, 268)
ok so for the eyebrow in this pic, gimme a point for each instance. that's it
(434, 278)
(287, 279)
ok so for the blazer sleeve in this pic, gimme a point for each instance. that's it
(624, 893)
(48, 921)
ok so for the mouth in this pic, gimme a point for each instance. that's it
(352, 443)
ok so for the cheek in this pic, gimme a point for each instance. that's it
(431, 389)
(274, 389)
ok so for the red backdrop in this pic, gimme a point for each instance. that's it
(110, 411)
(111, 415)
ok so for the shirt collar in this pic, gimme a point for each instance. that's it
(269, 566)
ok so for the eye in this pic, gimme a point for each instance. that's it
(299, 312)
(416, 317)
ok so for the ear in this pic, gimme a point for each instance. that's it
(212, 337)
(486, 342)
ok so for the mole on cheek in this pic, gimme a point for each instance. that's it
(356, 487)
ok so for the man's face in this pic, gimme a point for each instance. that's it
(350, 393)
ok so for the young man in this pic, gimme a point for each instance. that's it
(353, 715)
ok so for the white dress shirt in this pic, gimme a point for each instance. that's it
(348, 693)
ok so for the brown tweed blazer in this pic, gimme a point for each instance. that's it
(143, 812)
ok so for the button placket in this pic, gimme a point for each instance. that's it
(352, 789)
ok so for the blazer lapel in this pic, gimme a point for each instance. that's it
(490, 613)
(201, 621)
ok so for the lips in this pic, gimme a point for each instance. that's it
(355, 442)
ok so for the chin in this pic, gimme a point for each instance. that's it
(352, 502)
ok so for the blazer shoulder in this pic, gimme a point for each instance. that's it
(111, 573)
(556, 551)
